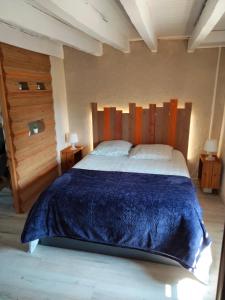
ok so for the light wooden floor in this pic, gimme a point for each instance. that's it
(52, 273)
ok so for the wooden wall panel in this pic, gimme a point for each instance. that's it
(33, 158)
(153, 125)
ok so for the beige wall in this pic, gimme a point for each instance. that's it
(219, 113)
(117, 79)
(60, 102)
(220, 98)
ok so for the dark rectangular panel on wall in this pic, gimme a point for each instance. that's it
(32, 156)
(153, 125)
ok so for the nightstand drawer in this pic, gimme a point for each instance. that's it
(209, 173)
(70, 156)
(216, 176)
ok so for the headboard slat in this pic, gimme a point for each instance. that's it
(138, 125)
(172, 123)
(152, 118)
(118, 125)
(153, 125)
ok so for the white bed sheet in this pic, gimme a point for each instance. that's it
(176, 166)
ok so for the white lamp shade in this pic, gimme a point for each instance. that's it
(73, 138)
(210, 146)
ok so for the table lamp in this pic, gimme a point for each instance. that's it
(210, 147)
(73, 140)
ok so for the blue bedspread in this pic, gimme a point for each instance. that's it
(153, 213)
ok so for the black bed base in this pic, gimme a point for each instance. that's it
(106, 250)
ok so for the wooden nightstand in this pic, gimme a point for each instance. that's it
(209, 173)
(70, 156)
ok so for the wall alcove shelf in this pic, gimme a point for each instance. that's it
(32, 158)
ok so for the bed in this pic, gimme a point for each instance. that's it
(143, 207)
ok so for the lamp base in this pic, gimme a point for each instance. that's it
(210, 157)
(73, 147)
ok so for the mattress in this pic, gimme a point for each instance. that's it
(176, 166)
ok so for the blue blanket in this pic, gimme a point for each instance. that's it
(154, 213)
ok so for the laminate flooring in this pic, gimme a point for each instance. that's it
(54, 273)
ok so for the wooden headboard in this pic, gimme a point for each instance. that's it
(154, 125)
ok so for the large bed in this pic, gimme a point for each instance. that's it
(136, 206)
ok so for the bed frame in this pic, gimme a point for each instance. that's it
(153, 125)
(165, 125)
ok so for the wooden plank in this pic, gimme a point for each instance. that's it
(179, 133)
(35, 155)
(118, 125)
(21, 94)
(165, 124)
(113, 122)
(159, 131)
(26, 180)
(35, 167)
(94, 109)
(152, 117)
(125, 127)
(24, 59)
(33, 149)
(107, 125)
(30, 114)
(100, 126)
(30, 194)
(145, 127)
(26, 75)
(138, 125)
(41, 138)
(183, 127)
(132, 109)
(172, 123)
(38, 163)
(29, 101)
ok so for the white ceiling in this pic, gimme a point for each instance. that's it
(173, 18)
(221, 24)
(87, 24)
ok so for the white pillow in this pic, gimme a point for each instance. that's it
(113, 148)
(153, 151)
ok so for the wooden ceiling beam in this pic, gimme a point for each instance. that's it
(19, 14)
(140, 16)
(211, 14)
(97, 19)
(13, 36)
